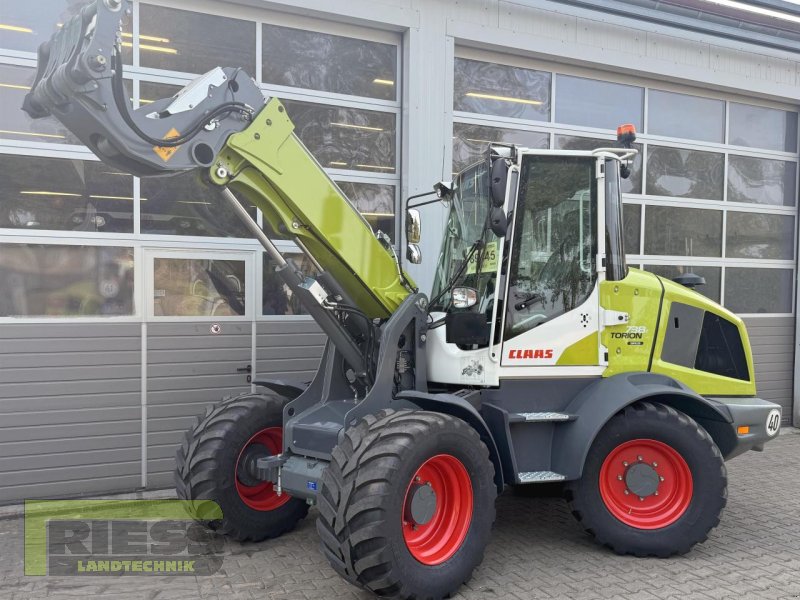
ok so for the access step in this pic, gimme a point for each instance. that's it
(539, 477)
(539, 417)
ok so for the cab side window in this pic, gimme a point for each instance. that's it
(553, 266)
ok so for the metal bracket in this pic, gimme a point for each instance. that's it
(615, 317)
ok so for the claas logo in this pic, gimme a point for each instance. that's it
(528, 353)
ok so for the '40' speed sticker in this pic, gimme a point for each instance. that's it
(773, 422)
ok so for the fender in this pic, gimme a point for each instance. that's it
(455, 406)
(599, 402)
(287, 389)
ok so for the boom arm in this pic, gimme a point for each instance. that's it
(222, 126)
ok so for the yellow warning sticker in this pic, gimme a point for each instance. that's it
(488, 261)
(166, 152)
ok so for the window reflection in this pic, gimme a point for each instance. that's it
(470, 141)
(61, 281)
(330, 63)
(631, 185)
(192, 42)
(685, 116)
(277, 298)
(760, 127)
(184, 205)
(761, 181)
(758, 290)
(375, 202)
(684, 173)
(501, 90)
(601, 104)
(198, 287)
(712, 275)
(754, 235)
(682, 231)
(346, 138)
(62, 194)
(632, 227)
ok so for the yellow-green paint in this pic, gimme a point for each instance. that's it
(582, 352)
(272, 169)
(639, 295)
(700, 381)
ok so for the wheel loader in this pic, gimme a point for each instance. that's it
(538, 357)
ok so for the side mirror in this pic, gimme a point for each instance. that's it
(464, 297)
(444, 190)
(498, 222)
(413, 254)
(413, 226)
(498, 184)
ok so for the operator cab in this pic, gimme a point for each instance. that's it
(517, 280)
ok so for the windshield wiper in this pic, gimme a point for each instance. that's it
(528, 301)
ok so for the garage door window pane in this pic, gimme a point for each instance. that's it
(65, 281)
(682, 231)
(758, 290)
(712, 275)
(330, 63)
(600, 104)
(62, 194)
(631, 185)
(470, 141)
(632, 227)
(276, 297)
(183, 205)
(375, 201)
(684, 173)
(191, 42)
(684, 116)
(761, 181)
(346, 138)
(28, 24)
(15, 82)
(760, 127)
(753, 235)
(198, 287)
(501, 90)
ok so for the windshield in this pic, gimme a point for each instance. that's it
(467, 223)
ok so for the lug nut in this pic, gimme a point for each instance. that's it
(624, 463)
(619, 477)
(661, 479)
(655, 493)
(639, 458)
(627, 492)
(655, 465)
(641, 499)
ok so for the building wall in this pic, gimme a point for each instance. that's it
(109, 352)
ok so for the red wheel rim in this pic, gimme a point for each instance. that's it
(673, 490)
(440, 538)
(262, 496)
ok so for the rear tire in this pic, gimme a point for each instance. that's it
(407, 504)
(207, 464)
(660, 504)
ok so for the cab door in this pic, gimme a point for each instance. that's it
(551, 311)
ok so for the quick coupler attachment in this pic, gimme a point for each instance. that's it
(79, 81)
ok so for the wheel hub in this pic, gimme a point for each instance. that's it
(646, 484)
(421, 503)
(641, 479)
(246, 469)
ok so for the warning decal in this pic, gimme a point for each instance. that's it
(166, 152)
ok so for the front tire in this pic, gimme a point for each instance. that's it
(407, 504)
(208, 467)
(654, 483)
